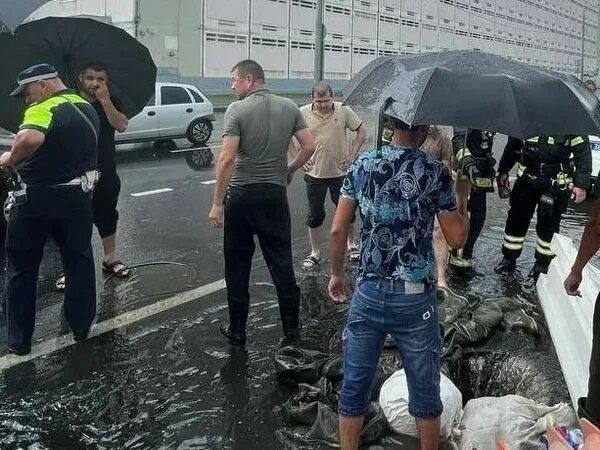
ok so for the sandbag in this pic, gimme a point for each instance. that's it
(514, 419)
(393, 399)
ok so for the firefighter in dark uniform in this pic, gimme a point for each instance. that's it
(546, 180)
(55, 155)
(473, 160)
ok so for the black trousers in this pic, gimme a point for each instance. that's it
(259, 210)
(527, 195)
(65, 213)
(477, 211)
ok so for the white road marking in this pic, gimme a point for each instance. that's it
(209, 182)
(184, 150)
(155, 191)
(52, 345)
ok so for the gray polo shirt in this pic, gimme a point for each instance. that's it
(265, 124)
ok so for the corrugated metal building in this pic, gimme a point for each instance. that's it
(204, 38)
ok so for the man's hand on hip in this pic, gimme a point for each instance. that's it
(216, 216)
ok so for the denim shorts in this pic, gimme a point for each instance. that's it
(407, 312)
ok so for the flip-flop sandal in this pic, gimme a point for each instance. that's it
(310, 262)
(353, 254)
(61, 284)
(123, 272)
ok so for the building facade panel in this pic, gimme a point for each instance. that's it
(205, 37)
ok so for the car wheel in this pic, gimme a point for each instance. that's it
(199, 131)
(199, 159)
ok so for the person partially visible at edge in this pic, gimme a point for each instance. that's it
(589, 407)
(329, 122)
(93, 82)
(399, 191)
(250, 196)
(55, 155)
(438, 145)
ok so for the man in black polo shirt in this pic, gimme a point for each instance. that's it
(93, 81)
(55, 155)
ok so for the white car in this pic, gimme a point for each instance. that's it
(174, 111)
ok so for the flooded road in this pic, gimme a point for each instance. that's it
(169, 381)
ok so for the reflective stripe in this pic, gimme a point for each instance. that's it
(520, 169)
(462, 153)
(550, 140)
(510, 246)
(510, 238)
(543, 244)
(533, 139)
(578, 140)
(544, 251)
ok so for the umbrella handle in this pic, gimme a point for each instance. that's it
(380, 127)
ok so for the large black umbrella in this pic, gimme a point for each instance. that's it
(477, 90)
(69, 44)
(13, 12)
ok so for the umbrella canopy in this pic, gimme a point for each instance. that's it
(14, 12)
(476, 90)
(69, 44)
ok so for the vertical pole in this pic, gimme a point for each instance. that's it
(582, 44)
(319, 41)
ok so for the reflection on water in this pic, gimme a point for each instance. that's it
(173, 384)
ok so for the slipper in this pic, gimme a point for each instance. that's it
(112, 269)
(61, 283)
(310, 262)
(353, 254)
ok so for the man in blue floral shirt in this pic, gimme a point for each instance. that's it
(398, 191)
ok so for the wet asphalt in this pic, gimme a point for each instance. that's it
(169, 381)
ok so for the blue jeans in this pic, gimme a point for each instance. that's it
(384, 306)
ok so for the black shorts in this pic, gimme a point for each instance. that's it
(104, 203)
(316, 191)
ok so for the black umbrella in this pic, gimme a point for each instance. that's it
(13, 12)
(477, 90)
(69, 44)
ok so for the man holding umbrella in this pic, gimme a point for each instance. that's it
(93, 81)
(55, 152)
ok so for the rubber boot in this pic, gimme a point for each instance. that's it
(289, 308)
(507, 265)
(537, 269)
(235, 330)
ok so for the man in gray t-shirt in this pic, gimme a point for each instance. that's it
(250, 195)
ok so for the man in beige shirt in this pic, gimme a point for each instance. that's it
(329, 122)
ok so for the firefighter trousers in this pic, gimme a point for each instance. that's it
(528, 194)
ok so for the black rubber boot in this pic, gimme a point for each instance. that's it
(507, 265)
(537, 269)
(289, 308)
(235, 330)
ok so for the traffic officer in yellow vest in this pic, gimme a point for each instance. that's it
(546, 179)
(55, 155)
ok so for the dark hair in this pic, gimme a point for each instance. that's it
(250, 67)
(96, 66)
(395, 123)
(321, 89)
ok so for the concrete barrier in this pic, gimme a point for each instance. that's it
(570, 318)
